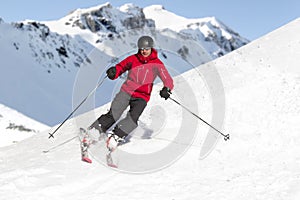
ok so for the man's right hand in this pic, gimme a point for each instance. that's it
(111, 73)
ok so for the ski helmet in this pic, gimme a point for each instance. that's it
(145, 42)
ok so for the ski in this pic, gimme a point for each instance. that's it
(90, 143)
(109, 160)
(85, 143)
(110, 155)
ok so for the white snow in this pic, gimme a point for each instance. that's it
(261, 84)
(15, 127)
(165, 19)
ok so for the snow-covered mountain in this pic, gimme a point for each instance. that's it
(258, 99)
(217, 38)
(43, 61)
(108, 22)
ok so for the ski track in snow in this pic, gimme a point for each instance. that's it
(260, 161)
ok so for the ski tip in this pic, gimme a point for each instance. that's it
(85, 159)
(112, 165)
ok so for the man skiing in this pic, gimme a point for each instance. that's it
(143, 68)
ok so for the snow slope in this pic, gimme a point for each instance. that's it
(15, 127)
(260, 84)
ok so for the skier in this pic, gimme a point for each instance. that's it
(143, 68)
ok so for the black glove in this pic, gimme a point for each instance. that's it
(111, 73)
(165, 93)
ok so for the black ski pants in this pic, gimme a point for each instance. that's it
(121, 101)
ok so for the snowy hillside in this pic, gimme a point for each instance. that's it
(15, 127)
(258, 101)
(41, 61)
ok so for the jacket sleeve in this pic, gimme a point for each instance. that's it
(165, 76)
(123, 66)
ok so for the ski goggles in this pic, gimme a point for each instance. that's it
(146, 48)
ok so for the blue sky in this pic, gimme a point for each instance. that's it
(251, 19)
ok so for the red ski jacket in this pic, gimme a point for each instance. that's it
(142, 71)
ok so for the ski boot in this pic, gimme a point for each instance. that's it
(113, 141)
(98, 128)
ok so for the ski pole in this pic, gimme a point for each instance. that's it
(51, 135)
(226, 137)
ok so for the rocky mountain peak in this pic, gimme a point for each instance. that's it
(106, 18)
